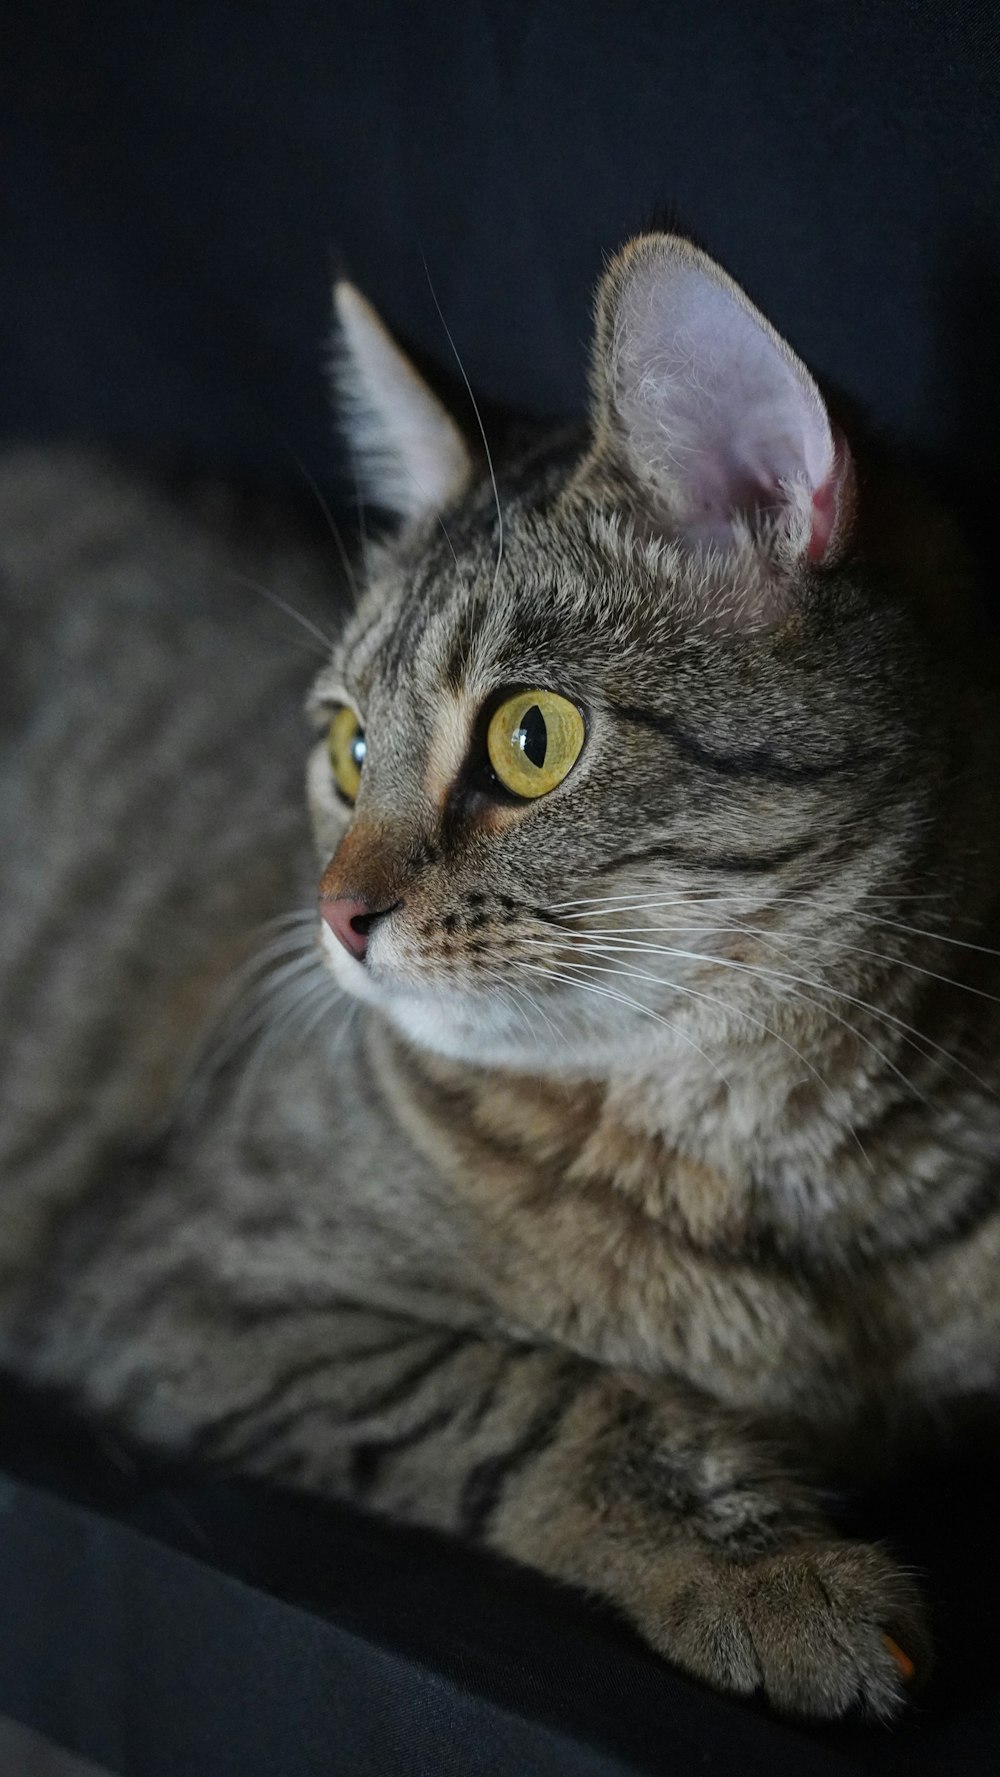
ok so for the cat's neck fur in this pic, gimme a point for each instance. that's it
(826, 1140)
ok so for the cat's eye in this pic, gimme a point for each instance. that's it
(345, 743)
(534, 739)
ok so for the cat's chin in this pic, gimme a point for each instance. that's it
(464, 1029)
(459, 1026)
(481, 1029)
(459, 1029)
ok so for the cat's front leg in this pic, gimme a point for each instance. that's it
(645, 1493)
(694, 1528)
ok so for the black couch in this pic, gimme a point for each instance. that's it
(179, 181)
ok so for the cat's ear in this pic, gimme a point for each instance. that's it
(717, 426)
(408, 454)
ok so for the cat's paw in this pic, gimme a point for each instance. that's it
(818, 1629)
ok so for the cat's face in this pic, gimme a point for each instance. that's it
(622, 779)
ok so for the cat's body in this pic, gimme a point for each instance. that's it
(663, 1158)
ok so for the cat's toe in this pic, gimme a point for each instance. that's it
(819, 1630)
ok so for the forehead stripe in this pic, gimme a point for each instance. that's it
(759, 762)
(449, 743)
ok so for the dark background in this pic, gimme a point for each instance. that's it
(180, 180)
(178, 183)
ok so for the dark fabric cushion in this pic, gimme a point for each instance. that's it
(165, 1624)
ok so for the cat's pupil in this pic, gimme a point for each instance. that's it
(358, 749)
(533, 736)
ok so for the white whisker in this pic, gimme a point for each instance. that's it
(772, 941)
(334, 528)
(625, 901)
(504, 990)
(447, 537)
(738, 1012)
(910, 1033)
(306, 1003)
(479, 420)
(935, 937)
(326, 642)
(536, 1006)
(301, 916)
(636, 1005)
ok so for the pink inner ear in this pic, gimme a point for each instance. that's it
(828, 503)
(725, 423)
(824, 512)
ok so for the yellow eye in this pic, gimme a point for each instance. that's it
(345, 743)
(534, 739)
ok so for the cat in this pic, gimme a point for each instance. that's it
(618, 1162)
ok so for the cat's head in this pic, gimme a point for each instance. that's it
(621, 741)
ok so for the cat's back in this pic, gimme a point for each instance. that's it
(150, 793)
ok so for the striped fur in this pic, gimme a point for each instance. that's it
(646, 1173)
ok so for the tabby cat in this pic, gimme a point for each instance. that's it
(616, 1146)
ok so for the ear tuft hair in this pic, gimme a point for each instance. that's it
(409, 455)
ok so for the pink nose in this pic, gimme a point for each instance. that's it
(351, 922)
